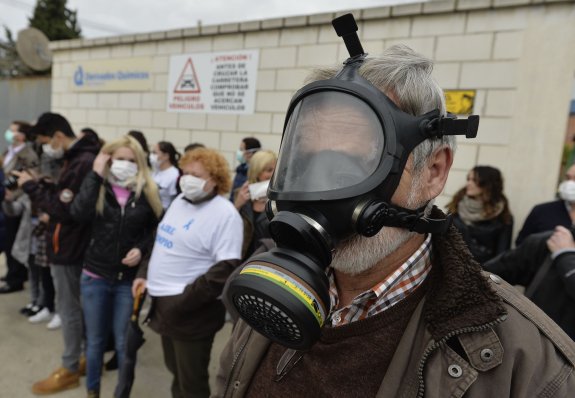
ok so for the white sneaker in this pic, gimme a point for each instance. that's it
(44, 315)
(55, 323)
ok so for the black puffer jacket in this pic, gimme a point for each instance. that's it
(116, 232)
(485, 239)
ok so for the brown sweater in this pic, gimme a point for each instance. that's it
(307, 374)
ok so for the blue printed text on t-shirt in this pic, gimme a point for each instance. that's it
(167, 228)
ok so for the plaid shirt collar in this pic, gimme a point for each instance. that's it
(386, 293)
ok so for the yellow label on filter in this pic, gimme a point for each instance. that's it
(289, 284)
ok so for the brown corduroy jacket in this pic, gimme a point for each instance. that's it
(472, 335)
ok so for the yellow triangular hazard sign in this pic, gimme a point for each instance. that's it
(188, 81)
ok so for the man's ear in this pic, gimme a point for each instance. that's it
(437, 171)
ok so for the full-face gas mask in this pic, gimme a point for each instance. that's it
(344, 147)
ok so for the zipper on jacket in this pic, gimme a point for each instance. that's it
(437, 344)
(120, 233)
(235, 360)
(120, 229)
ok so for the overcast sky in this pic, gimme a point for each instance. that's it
(112, 17)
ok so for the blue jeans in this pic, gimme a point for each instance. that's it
(107, 306)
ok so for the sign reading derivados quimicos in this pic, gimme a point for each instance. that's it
(222, 82)
(128, 74)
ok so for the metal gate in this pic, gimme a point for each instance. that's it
(22, 99)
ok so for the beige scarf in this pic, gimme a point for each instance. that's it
(471, 210)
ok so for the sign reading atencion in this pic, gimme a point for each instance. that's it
(130, 74)
(223, 82)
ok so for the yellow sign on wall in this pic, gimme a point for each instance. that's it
(460, 102)
(129, 74)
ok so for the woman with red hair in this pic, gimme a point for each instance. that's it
(198, 245)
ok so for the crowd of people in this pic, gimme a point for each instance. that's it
(351, 235)
(90, 225)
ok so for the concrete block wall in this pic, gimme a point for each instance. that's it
(485, 45)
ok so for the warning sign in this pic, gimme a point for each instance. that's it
(460, 102)
(188, 81)
(222, 82)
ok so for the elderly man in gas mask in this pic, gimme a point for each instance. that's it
(370, 291)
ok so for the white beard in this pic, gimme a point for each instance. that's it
(359, 253)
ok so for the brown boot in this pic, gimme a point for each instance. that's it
(82, 366)
(62, 379)
(93, 394)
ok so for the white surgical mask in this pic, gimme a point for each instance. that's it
(193, 187)
(259, 190)
(154, 160)
(123, 172)
(567, 191)
(51, 152)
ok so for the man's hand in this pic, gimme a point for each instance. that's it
(100, 163)
(138, 286)
(560, 240)
(132, 258)
(23, 176)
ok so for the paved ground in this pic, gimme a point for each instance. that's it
(31, 352)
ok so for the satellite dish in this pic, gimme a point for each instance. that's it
(33, 48)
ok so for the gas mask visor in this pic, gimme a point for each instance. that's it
(332, 150)
(333, 142)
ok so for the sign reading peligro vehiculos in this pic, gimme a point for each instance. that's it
(222, 82)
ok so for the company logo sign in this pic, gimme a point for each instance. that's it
(131, 74)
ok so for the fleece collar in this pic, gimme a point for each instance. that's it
(459, 294)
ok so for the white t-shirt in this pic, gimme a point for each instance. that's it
(167, 180)
(189, 240)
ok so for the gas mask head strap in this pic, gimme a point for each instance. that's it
(416, 220)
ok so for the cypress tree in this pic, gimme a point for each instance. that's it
(56, 20)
